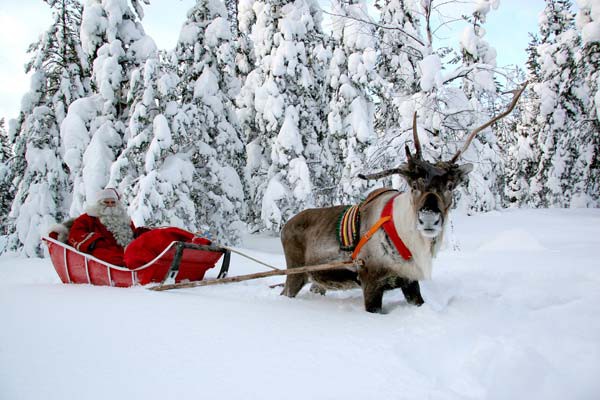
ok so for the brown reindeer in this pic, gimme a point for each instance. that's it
(419, 216)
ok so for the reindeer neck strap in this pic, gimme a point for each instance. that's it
(387, 222)
(390, 229)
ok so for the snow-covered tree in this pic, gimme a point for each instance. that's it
(401, 47)
(281, 105)
(210, 132)
(478, 84)
(400, 50)
(586, 188)
(6, 190)
(455, 94)
(60, 75)
(111, 33)
(244, 59)
(560, 107)
(516, 138)
(352, 69)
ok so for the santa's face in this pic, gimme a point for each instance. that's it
(112, 208)
(109, 202)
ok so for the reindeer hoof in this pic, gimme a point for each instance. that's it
(318, 289)
(416, 301)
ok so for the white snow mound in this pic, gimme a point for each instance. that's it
(514, 240)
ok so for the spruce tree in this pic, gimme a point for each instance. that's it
(60, 75)
(6, 189)
(400, 50)
(455, 93)
(480, 88)
(586, 139)
(280, 111)
(205, 57)
(113, 36)
(559, 109)
(352, 69)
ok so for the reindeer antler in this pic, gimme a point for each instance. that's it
(416, 137)
(379, 175)
(516, 94)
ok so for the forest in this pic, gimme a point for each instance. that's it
(260, 112)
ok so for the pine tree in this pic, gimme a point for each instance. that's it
(480, 89)
(246, 18)
(281, 120)
(586, 188)
(113, 35)
(352, 70)
(560, 107)
(6, 189)
(205, 55)
(60, 75)
(516, 134)
(400, 50)
(455, 94)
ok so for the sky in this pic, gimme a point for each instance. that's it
(21, 23)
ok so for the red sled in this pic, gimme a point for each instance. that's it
(181, 261)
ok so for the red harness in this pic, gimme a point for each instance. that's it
(391, 231)
(387, 222)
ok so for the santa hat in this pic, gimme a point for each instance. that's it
(108, 193)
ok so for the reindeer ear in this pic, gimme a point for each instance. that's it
(463, 171)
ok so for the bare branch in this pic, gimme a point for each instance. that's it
(416, 39)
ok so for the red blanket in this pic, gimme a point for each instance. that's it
(150, 244)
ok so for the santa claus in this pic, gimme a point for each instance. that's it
(105, 229)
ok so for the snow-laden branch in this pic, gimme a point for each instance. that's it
(413, 37)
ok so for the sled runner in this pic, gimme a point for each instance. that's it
(180, 261)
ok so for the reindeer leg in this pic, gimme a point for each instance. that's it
(412, 292)
(373, 296)
(293, 284)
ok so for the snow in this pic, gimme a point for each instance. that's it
(289, 135)
(502, 320)
(217, 31)
(431, 67)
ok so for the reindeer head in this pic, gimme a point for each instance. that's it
(432, 184)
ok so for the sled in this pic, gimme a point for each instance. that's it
(180, 262)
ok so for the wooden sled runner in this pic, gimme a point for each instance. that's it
(180, 261)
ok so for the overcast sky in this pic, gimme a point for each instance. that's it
(22, 21)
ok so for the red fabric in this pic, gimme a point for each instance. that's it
(391, 231)
(88, 230)
(150, 244)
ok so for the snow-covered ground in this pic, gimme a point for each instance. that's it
(512, 312)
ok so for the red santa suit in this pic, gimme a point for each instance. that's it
(106, 232)
(89, 235)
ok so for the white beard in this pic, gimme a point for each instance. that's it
(116, 220)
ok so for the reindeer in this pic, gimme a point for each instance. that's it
(419, 216)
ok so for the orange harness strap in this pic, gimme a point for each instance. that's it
(367, 236)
